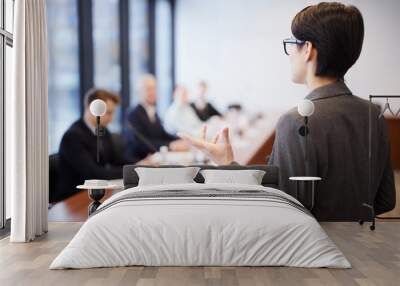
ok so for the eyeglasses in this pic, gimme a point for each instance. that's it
(292, 42)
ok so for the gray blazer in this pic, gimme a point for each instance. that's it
(337, 152)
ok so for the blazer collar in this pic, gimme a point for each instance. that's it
(330, 90)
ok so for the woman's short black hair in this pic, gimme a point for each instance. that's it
(336, 31)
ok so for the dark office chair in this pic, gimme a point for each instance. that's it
(118, 144)
(54, 166)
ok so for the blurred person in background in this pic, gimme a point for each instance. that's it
(201, 106)
(144, 133)
(77, 152)
(180, 117)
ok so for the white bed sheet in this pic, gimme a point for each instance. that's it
(200, 231)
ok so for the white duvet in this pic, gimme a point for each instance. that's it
(200, 231)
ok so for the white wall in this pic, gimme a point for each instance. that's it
(236, 45)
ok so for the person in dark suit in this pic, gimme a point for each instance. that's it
(204, 110)
(327, 40)
(144, 133)
(77, 150)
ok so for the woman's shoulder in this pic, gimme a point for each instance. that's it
(289, 119)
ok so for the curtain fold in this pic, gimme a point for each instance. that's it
(27, 146)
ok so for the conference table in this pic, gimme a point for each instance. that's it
(251, 141)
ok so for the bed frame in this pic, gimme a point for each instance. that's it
(270, 179)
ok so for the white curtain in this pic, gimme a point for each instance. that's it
(26, 119)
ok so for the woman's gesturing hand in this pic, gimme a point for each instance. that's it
(220, 152)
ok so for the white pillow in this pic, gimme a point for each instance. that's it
(248, 177)
(165, 176)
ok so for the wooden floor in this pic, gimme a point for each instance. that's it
(375, 257)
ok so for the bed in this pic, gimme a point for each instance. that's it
(198, 224)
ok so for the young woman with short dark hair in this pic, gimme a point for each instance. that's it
(327, 41)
